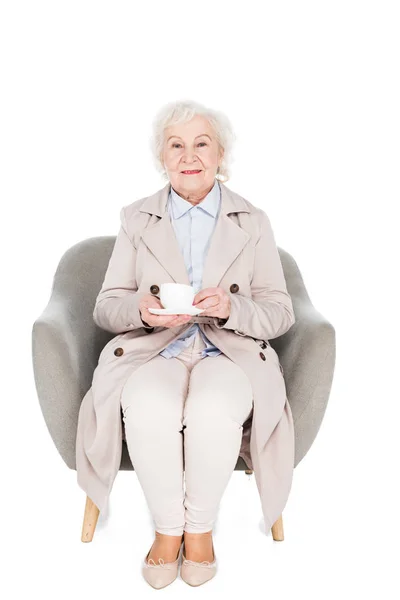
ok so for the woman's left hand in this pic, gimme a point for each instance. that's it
(216, 302)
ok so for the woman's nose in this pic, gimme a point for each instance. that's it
(189, 157)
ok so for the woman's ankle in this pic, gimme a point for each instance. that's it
(163, 537)
(188, 534)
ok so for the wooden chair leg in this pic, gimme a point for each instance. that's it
(277, 530)
(277, 527)
(89, 520)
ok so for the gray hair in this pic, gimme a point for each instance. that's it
(183, 111)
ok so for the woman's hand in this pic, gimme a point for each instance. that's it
(216, 302)
(150, 301)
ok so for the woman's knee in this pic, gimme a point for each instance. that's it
(157, 410)
(211, 409)
(225, 393)
(155, 400)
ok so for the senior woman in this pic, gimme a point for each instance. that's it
(192, 154)
(184, 408)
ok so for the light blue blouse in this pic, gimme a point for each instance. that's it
(193, 226)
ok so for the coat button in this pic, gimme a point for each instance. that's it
(154, 289)
(234, 288)
(262, 355)
(263, 345)
(118, 351)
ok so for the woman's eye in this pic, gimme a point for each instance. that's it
(176, 144)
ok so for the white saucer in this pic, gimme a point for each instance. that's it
(189, 310)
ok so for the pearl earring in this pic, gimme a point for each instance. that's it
(219, 176)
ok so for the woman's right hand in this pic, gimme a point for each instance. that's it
(159, 320)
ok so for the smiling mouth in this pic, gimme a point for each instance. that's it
(191, 172)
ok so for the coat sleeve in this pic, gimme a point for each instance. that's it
(269, 312)
(117, 304)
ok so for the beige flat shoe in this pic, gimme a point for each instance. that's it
(161, 575)
(196, 573)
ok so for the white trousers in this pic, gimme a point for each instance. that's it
(183, 419)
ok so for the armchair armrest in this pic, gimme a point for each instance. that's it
(307, 353)
(65, 349)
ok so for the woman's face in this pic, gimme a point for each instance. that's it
(191, 146)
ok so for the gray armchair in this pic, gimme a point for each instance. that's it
(66, 344)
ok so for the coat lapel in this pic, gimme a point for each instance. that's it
(226, 243)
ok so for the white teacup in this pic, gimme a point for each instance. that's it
(176, 295)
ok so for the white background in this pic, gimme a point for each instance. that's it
(312, 90)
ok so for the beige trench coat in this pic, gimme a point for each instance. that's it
(243, 259)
